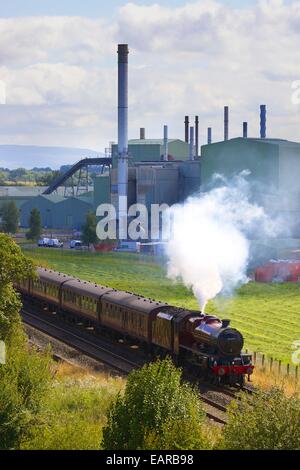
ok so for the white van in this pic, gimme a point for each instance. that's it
(43, 242)
(55, 243)
(75, 244)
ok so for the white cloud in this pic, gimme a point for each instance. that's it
(60, 72)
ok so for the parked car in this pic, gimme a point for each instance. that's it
(55, 243)
(75, 244)
(43, 242)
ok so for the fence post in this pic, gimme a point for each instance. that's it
(296, 372)
(263, 360)
(254, 357)
(279, 367)
(271, 363)
(288, 369)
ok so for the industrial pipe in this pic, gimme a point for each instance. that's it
(245, 130)
(191, 151)
(186, 128)
(197, 136)
(209, 135)
(263, 119)
(166, 152)
(122, 138)
(142, 133)
(226, 122)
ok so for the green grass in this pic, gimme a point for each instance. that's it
(268, 315)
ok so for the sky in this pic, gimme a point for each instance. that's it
(58, 68)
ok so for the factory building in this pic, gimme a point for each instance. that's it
(274, 166)
(152, 150)
(158, 182)
(58, 212)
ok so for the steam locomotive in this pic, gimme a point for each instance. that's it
(204, 342)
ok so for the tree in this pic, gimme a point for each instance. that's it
(26, 374)
(265, 420)
(10, 217)
(89, 234)
(152, 411)
(35, 226)
(15, 267)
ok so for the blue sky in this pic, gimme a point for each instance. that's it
(85, 7)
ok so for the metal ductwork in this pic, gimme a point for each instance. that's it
(166, 151)
(197, 136)
(209, 135)
(122, 138)
(142, 133)
(245, 130)
(226, 122)
(186, 129)
(263, 120)
(191, 149)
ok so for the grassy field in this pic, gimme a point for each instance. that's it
(267, 314)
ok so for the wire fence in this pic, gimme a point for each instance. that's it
(269, 364)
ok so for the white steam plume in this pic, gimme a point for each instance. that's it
(209, 248)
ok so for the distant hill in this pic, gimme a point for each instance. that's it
(29, 156)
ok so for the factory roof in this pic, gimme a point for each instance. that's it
(279, 142)
(150, 141)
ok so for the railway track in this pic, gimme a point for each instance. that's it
(117, 356)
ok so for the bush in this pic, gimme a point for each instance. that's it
(156, 411)
(73, 415)
(24, 380)
(267, 421)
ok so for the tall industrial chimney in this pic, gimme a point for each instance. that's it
(142, 133)
(191, 150)
(263, 117)
(226, 122)
(245, 130)
(166, 151)
(197, 136)
(186, 129)
(122, 138)
(209, 135)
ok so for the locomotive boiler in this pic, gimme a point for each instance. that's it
(204, 342)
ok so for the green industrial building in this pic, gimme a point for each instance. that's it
(57, 211)
(152, 150)
(274, 164)
(273, 174)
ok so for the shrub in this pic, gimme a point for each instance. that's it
(156, 411)
(264, 421)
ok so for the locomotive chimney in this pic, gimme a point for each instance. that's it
(225, 323)
(186, 129)
(122, 138)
